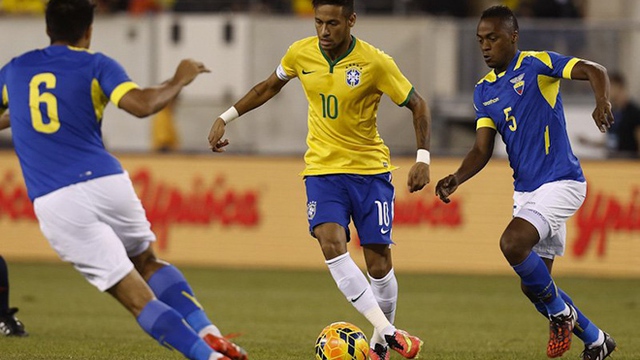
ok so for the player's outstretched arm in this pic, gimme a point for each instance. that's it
(148, 101)
(258, 95)
(475, 161)
(419, 175)
(599, 80)
(5, 123)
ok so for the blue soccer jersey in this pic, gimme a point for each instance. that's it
(524, 105)
(56, 97)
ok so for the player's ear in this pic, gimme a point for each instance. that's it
(352, 20)
(515, 36)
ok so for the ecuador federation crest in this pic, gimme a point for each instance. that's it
(353, 75)
(518, 84)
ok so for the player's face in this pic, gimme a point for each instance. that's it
(498, 43)
(333, 29)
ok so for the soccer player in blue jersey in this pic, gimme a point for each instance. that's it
(520, 99)
(83, 199)
(348, 168)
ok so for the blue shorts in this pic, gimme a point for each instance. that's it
(367, 199)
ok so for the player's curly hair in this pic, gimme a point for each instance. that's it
(68, 20)
(347, 5)
(503, 13)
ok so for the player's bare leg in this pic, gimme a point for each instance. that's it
(132, 292)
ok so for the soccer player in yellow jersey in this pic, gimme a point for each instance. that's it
(348, 169)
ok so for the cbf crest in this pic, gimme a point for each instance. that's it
(311, 210)
(353, 75)
(518, 84)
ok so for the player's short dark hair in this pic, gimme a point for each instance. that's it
(504, 14)
(68, 20)
(347, 5)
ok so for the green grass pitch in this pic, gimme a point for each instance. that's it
(279, 314)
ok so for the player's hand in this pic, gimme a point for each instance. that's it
(446, 187)
(602, 115)
(215, 135)
(189, 69)
(418, 177)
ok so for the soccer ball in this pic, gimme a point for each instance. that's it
(342, 341)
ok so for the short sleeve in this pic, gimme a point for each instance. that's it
(113, 79)
(482, 117)
(287, 70)
(391, 81)
(553, 64)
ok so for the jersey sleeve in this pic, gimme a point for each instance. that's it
(555, 65)
(391, 81)
(113, 79)
(482, 117)
(287, 69)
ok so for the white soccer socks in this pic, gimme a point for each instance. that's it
(355, 287)
(385, 290)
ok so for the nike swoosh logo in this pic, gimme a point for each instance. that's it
(384, 231)
(358, 297)
(305, 72)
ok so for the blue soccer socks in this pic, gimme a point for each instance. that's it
(587, 331)
(172, 288)
(166, 326)
(536, 277)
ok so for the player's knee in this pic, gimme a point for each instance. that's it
(512, 249)
(378, 267)
(147, 264)
(378, 270)
(331, 248)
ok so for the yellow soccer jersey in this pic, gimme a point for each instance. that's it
(343, 100)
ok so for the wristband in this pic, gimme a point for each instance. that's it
(229, 115)
(423, 156)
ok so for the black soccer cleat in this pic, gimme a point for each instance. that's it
(10, 325)
(600, 352)
(379, 352)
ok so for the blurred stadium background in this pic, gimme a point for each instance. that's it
(246, 208)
